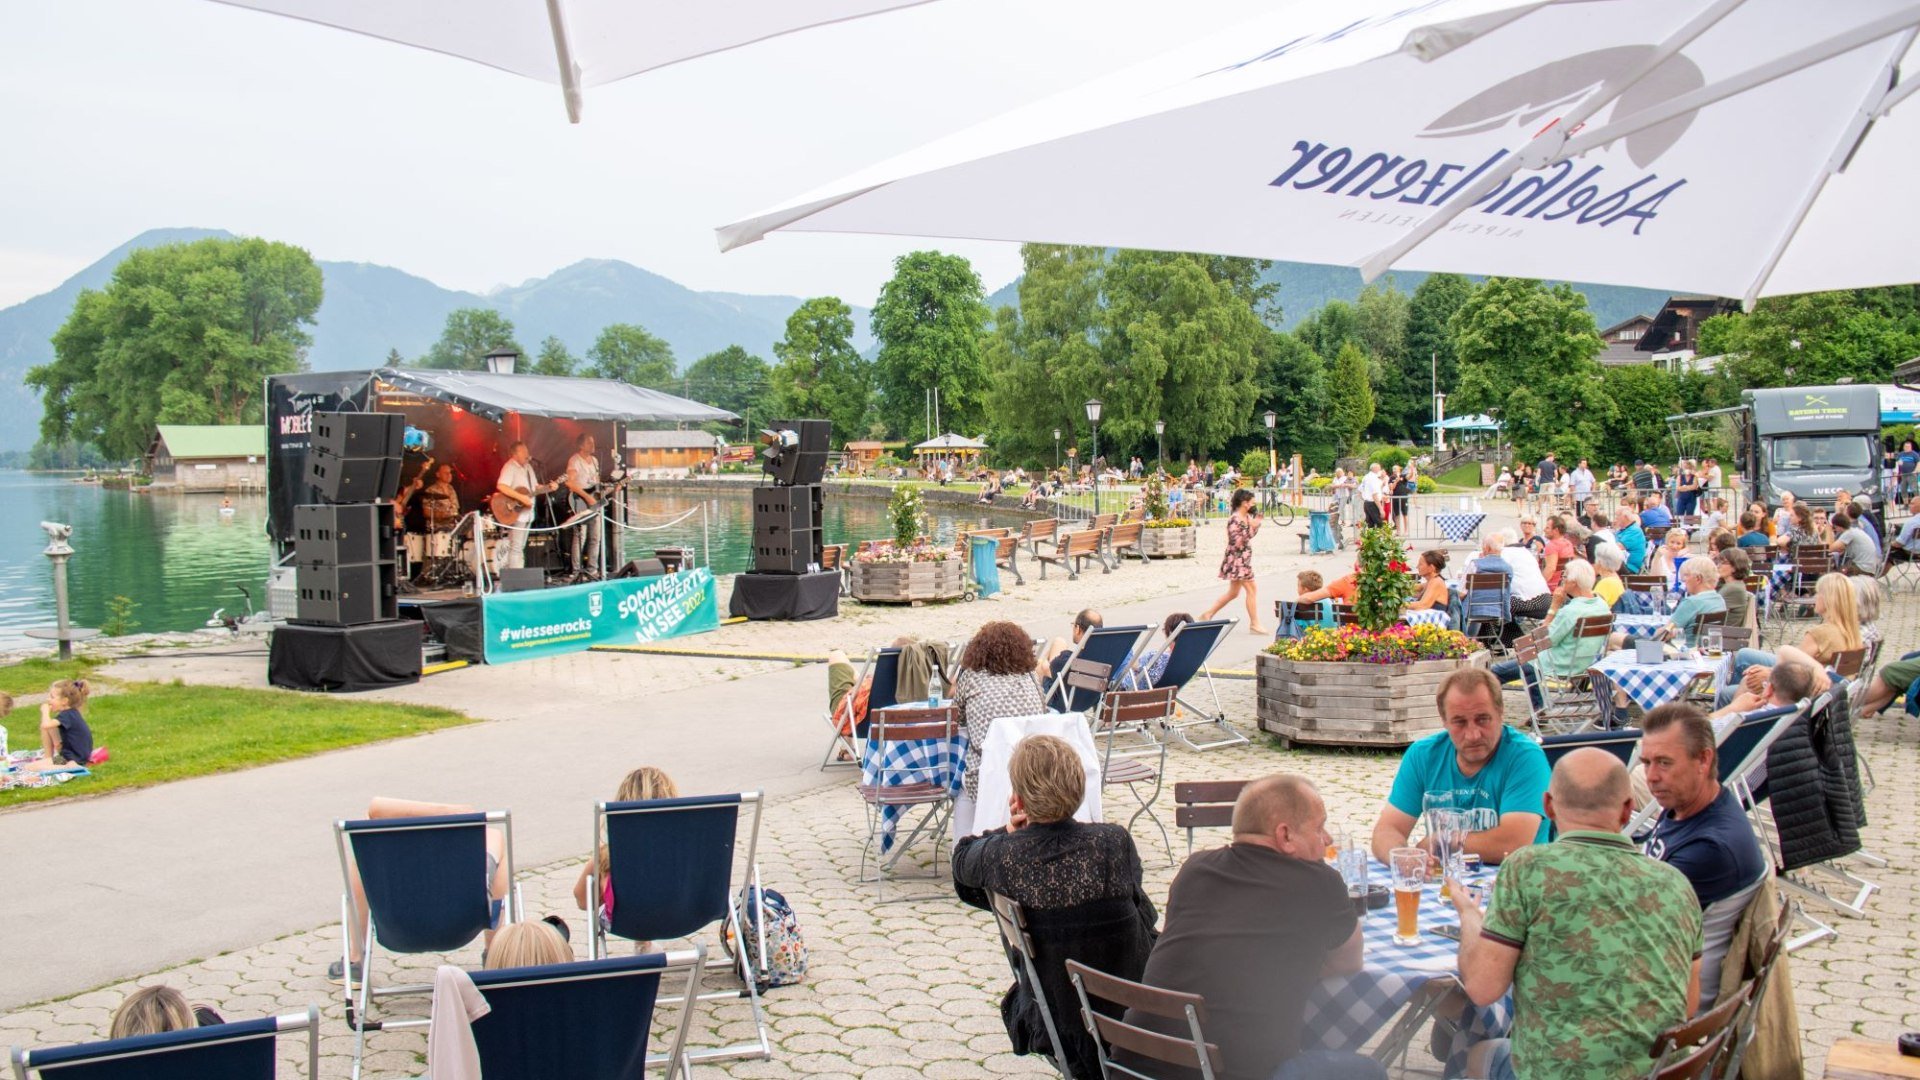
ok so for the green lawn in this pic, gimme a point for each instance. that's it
(1464, 476)
(34, 676)
(169, 731)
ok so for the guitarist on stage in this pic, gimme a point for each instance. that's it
(583, 481)
(518, 486)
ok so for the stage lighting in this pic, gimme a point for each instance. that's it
(418, 440)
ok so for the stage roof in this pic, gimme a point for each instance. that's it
(494, 396)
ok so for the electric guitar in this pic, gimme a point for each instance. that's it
(601, 492)
(509, 511)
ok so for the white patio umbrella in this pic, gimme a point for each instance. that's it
(574, 43)
(1731, 147)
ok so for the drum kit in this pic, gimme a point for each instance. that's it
(443, 557)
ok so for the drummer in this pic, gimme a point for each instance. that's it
(440, 501)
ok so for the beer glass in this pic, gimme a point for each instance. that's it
(1409, 874)
(1449, 829)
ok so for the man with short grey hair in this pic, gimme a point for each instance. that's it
(1599, 944)
(1253, 927)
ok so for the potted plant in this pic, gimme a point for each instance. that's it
(1369, 684)
(1164, 535)
(910, 569)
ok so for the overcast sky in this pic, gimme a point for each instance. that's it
(125, 115)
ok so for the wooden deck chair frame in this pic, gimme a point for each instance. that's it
(1011, 919)
(359, 1002)
(1183, 679)
(738, 891)
(27, 1064)
(845, 740)
(1137, 712)
(1192, 1052)
(1683, 1038)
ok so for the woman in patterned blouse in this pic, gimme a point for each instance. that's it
(996, 679)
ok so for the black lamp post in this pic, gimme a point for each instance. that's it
(1093, 417)
(1056, 448)
(1160, 436)
(1273, 465)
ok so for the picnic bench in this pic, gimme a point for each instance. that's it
(1072, 550)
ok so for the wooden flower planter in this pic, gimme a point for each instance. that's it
(1169, 543)
(906, 583)
(1333, 703)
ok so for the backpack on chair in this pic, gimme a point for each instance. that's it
(785, 962)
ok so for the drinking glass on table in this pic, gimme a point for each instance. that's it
(1449, 831)
(1409, 867)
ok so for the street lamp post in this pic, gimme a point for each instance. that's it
(1056, 448)
(1273, 463)
(1160, 436)
(1093, 417)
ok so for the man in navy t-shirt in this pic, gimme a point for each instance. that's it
(1702, 831)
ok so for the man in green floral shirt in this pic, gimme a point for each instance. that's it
(1599, 944)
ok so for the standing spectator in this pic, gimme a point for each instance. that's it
(1646, 478)
(1686, 489)
(1404, 486)
(996, 679)
(1906, 461)
(1715, 479)
(1080, 886)
(1581, 483)
(1702, 831)
(1548, 471)
(1236, 565)
(1599, 944)
(1253, 927)
(1373, 489)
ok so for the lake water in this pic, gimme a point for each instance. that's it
(178, 558)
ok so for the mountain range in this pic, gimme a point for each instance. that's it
(369, 310)
(1306, 287)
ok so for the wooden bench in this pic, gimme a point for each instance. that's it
(1204, 804)
(834, 557)
(1072, 550)
(1007, 557)
(1123, 538)
(1037, 531)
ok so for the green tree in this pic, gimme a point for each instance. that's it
(554, 359)
(732, 379)
(1350, 403)
(183, 333)
(394, 359)
(1293, 383)
(1526, 353)
(469, 335)
(1430, 356)
(1182, 343)
(1044, 359)
(1642, 397)
(1380, 323)
(820, 375)
(930, 321)
(632, 355)
(1327, 329)
(1815, 339)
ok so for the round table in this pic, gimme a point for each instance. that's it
(1653, 685)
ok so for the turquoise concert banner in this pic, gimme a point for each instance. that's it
(624, 611)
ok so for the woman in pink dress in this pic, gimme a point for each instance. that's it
(1236, 566)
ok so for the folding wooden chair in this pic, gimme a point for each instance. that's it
(1136, 712)
(1191, 1051)
(588, 1020)
(1687, 1035)
(1697, 1063)
(671, 866)
(1011, 918)
(242, 1050)
(883, 666)
(1757, 983)
(903, 788)
(427, 886)
(1204, 804)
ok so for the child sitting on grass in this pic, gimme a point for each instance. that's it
(65, 738)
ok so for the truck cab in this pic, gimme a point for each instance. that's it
(1813, 441)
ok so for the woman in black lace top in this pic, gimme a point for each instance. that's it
(1080, 886)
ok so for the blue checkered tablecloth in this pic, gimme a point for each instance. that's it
(1653, 685)
(1458, 527)
(1346, 1010)
(1639, 626)
(1429, 617)
(915, 762)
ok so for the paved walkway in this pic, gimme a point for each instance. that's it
(239, 869)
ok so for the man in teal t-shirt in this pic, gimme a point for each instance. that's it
(1502, 768)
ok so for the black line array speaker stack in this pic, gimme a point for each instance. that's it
(786, 581)
(346, 633)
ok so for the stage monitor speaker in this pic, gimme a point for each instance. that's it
(353, 479)
(641, 568)
(350, 533)
(806, 463)
(523, 579)
(791, 553)
(346, 594)
(359, 434)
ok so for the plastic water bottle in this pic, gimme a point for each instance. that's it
(933, 691)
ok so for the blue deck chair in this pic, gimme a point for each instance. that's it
(672, 867)
(884, 666)
(1623, 743)
(1109, 645)
(427, 891)
(1189, 649)
(587, 1020)
(243, 1050)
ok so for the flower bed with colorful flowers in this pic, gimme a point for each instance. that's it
(1170, 523)
(917, 553)
(1401, 644)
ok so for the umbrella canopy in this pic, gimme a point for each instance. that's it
(1476, 422)
(574, 43)
(1731, 147)
(949, 442)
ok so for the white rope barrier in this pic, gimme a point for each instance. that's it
(657, 528)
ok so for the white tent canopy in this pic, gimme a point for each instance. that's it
(950, 441)
(574, 43)
(1730, 147)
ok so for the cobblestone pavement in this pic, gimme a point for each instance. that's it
(912, 988)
